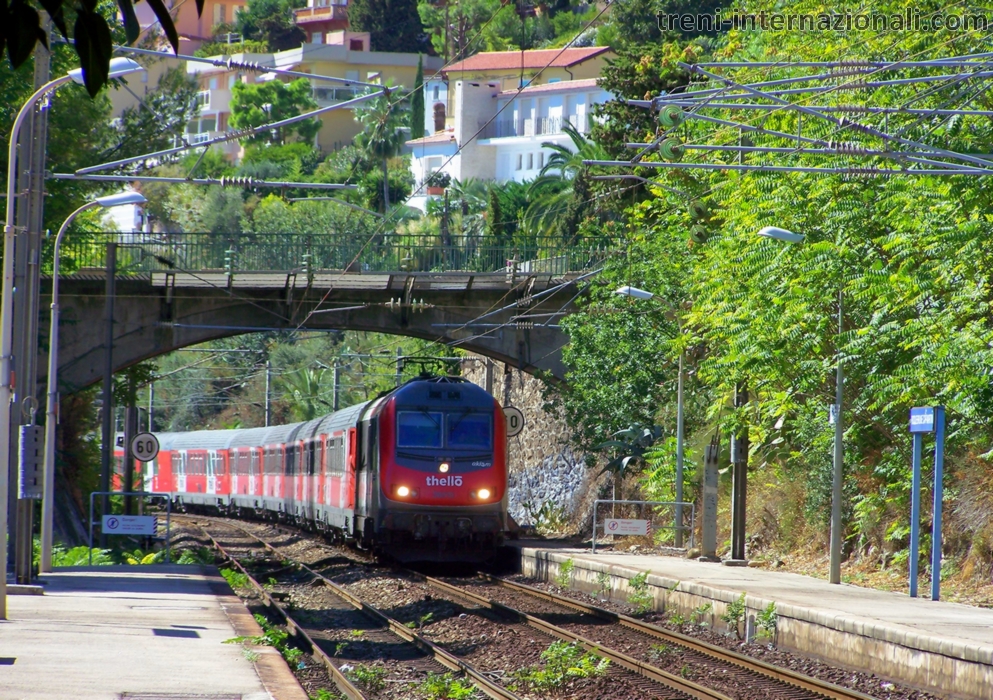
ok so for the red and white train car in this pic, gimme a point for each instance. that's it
(420, 473)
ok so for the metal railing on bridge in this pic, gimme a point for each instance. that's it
(388, 252)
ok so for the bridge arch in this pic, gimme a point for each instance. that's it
(509, 318)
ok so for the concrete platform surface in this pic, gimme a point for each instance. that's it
(954, 622)
(110, 632)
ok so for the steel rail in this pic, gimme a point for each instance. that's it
(824, 688)
(340, 680)
(445, 658)
(630, 663)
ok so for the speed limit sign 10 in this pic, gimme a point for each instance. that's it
(144, 447)
(515, 420)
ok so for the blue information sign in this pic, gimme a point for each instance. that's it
(922, 420)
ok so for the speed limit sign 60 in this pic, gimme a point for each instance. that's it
(144, 447)
(515, 420)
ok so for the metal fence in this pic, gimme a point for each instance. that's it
(142, 252)
(661, 515)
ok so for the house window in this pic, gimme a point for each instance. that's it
(432, 164)
(541, 160)
(435, 93)
(213, 83)
(519, 161)
(219, 13)
(355, 45)
(530, 161)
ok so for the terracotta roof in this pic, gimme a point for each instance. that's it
(442, 137)
(563, 85)
(532, 60)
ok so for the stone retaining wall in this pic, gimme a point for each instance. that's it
(543, 467)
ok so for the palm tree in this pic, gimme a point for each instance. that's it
(382, 137)
(560, 192)
(305, 387)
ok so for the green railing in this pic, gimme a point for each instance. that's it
(141, 252)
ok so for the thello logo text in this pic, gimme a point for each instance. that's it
(444, 481)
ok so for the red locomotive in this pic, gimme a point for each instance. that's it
(419, 474)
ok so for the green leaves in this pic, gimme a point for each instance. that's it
(21, 32)
(94, 46)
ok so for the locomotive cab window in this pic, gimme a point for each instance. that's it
(418, 429)
(470, 430)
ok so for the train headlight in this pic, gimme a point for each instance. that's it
(443, 467)
(484, 494)
(403, 491)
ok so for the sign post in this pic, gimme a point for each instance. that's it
(927, 419)
(515, 420)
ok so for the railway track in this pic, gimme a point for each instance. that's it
(710, 662)
(630, 644)
(312, 635)
(627, 678)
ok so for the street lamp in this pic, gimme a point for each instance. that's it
(635, 293)
(834, 575)
(48, 502)
(118, 68)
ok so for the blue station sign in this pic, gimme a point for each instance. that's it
(922, 419)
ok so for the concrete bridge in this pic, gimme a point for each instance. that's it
(511, 315)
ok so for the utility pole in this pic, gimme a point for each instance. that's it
(399, 369)
(268, 380)
(151, 407)
(739, 480)
(30, 217)
(130, 430)
(336, 378)
(107, 449)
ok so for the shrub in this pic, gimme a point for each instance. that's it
(445, 686)
(766, 621)
(563, 662)
(640, 597)
(734, 615)
(372, 678)
(564, 577)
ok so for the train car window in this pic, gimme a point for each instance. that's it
(471, 430)
(418, 429)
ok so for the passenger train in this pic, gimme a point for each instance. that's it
(419, 474)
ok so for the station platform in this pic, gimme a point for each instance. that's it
(138, 632)
(944, 648)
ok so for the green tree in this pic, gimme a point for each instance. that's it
(382, 135)
(155, 124)
(262, 103)
(417, 102)
(639, 71)
(93, 36)
(271, 22)
(394, 25)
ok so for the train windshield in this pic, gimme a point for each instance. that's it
(418, 429)
(470, 430)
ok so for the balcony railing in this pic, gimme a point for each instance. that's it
(542, 126)
(318, 14)
(388, 252)
(336, 94)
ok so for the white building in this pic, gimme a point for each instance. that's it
(502, 132)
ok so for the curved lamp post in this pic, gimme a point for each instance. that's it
(48, 504)
(834, 575)
(635, 293)
(118, 68)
